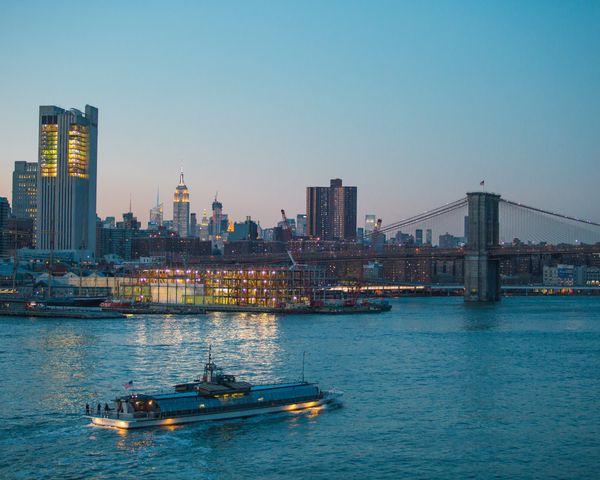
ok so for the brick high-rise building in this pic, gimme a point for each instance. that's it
(331, 211)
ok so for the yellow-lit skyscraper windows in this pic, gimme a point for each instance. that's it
(49, 150)
(78, 151)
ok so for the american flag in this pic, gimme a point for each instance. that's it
(482, 183)
(128, 385)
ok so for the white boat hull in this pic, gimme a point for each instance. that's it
(130, 423)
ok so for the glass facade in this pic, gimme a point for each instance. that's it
(273, 288)
(49, 150)
(78, 151)
(24, 199)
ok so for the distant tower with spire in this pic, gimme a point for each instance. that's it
(181, 209)
(156, 214)
(217, 218)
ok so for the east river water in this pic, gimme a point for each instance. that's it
(433, 389)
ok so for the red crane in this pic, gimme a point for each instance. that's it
(287, 227)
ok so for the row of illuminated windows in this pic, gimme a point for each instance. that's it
(49, 152)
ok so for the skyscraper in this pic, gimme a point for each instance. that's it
(193, 225)
(4, 236)
(216, 222)
(331, 211)
(181, 209)
(24, 190)
(66, 196)
(370, 222)
(317, 212)
(419, 236)
(301, 224)
(156, 214)
(204, 225)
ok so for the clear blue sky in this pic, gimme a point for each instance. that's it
(413, 102)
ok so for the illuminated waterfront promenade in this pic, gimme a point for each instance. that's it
(251, 286)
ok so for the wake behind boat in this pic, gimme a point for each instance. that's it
(215, 396)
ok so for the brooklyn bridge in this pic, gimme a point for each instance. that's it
(501, 239)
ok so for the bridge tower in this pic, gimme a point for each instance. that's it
(482, 273)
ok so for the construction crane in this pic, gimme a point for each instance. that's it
(375, 235)
(286, 226)
(290, 236)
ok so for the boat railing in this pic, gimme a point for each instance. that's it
(112, 414)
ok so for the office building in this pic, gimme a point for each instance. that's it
(130, 222)
(370, 222)
(203, 227)
(66, 193)
(156, 215)
(4, 236)
(109, 222)
(20, 233)
(331, 211)
(419, 236)
(428, 236)
(448, 241)
(317, 212)
(24, 190)
(219, 222)
(301, 224)
(247, 230)
(193, 226)
(181, 209)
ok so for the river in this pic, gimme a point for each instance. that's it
(433, 389)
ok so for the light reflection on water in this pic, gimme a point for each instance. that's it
(432, 389)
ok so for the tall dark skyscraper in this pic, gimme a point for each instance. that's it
(24, 190)
(4, 237)
(317, 212)
(66, 196)
(331, 211)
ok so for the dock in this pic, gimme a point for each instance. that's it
(33, 309)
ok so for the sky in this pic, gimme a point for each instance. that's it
(413, 102)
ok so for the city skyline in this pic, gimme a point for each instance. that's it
(399, 100)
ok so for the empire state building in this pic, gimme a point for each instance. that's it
(181, 209)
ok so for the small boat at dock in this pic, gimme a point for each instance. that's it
(214, 396)
(32, 308)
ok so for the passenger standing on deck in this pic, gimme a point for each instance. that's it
(106, 409)
(87, 408)
(99, 409)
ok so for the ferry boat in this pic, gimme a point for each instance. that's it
(214, 396)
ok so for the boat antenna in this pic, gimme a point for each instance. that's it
(208, 367)
(303, 355)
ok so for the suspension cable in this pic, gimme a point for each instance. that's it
(539, 210)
